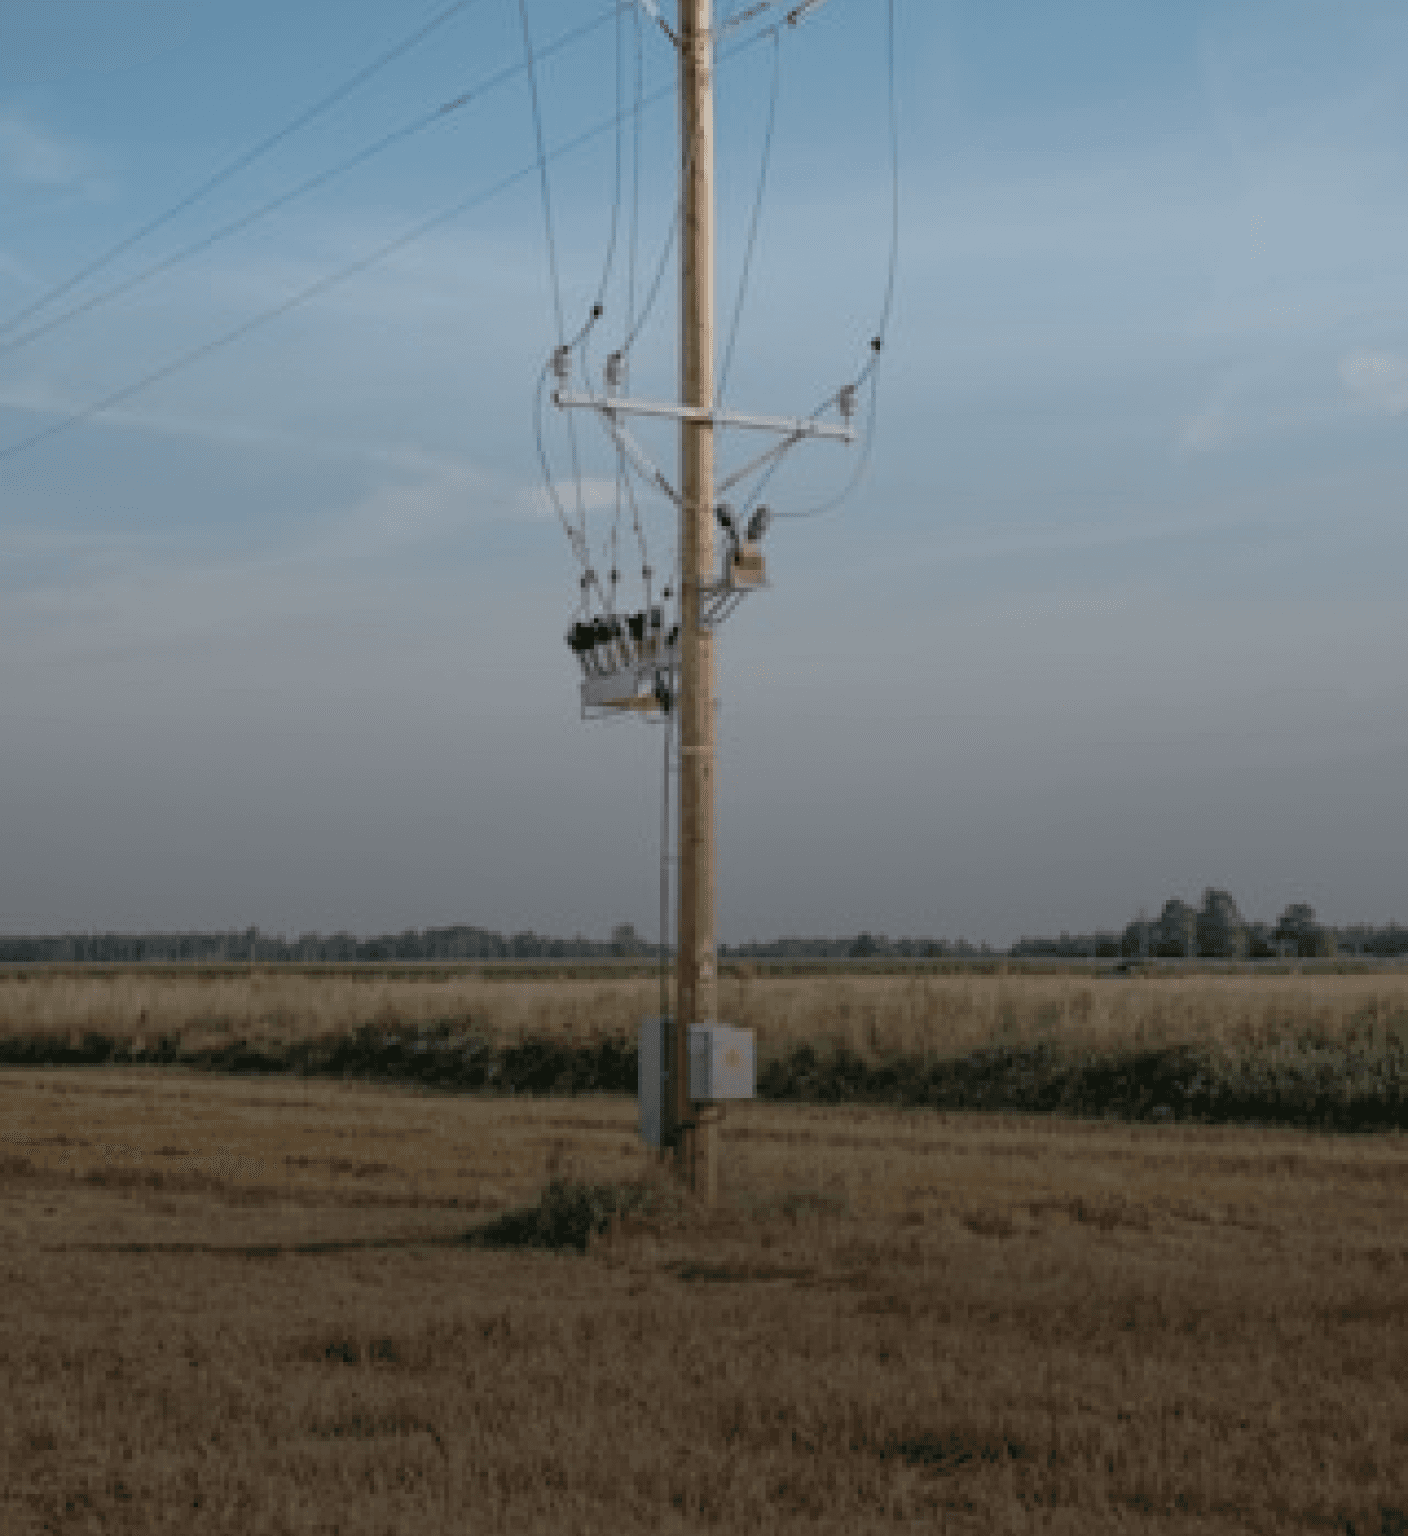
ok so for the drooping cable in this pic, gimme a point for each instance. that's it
(574, 535)
(738, 15)
(610, 260)
(752, 240)
(624, 488)
(867, 375)
(623, 472)
(636, 99)
(545, 187)
(600, 304)
(888, 305)
(633, 335)
(862, 463)
(240, 163)
(657, 281)
(302, 189)
(548, 483)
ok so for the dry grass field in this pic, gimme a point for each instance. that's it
(875, 1015)
(249, 1306)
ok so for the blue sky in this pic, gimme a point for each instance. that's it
(1116, 612)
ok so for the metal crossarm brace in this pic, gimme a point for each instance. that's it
(638, 457)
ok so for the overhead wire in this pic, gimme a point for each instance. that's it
(888, 305)
(599, 306)
(241, 162)
(622, 468)
(352, 269)
(610, 260)
(867, 375)
(545, 188)
(857, 474)
(302, 189)
(738, 16)
(544, 185)
(639, 88)
(574, 535)
(752, 240)
(313, 290)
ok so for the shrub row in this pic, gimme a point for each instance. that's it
(1331, 1088)
(1335, 1089)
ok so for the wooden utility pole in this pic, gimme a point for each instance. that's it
(633, 681)
(695, 1131)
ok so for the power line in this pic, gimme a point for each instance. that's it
(868, 373)
(314, 290)
(752, 241)
(610, 261)
(240, 163)
(639, 87)
(768, 467)
(311, 184)
(546, 190)
(542, 164)
(333, 279)
(894, 170)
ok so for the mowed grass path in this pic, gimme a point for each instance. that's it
(243, 1305)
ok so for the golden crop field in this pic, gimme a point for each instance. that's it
(874, 1014)
(248, 1305)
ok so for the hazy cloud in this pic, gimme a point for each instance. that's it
(1379, 379)
(33, 157)
(1206, 432)
(598, 495)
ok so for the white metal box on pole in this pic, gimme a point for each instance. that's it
(720, 1063)
(721, 1067)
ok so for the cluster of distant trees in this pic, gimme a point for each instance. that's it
(1217, 930)
(864, 946)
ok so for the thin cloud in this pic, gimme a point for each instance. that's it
(410, 458)
(1206, 432)
(534, 504)
(1380, 379)
(33, 157)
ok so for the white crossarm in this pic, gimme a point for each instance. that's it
(789, 426)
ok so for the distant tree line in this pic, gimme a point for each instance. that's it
(1215, 930)
(456, 943)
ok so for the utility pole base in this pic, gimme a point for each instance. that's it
(697, 1153)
